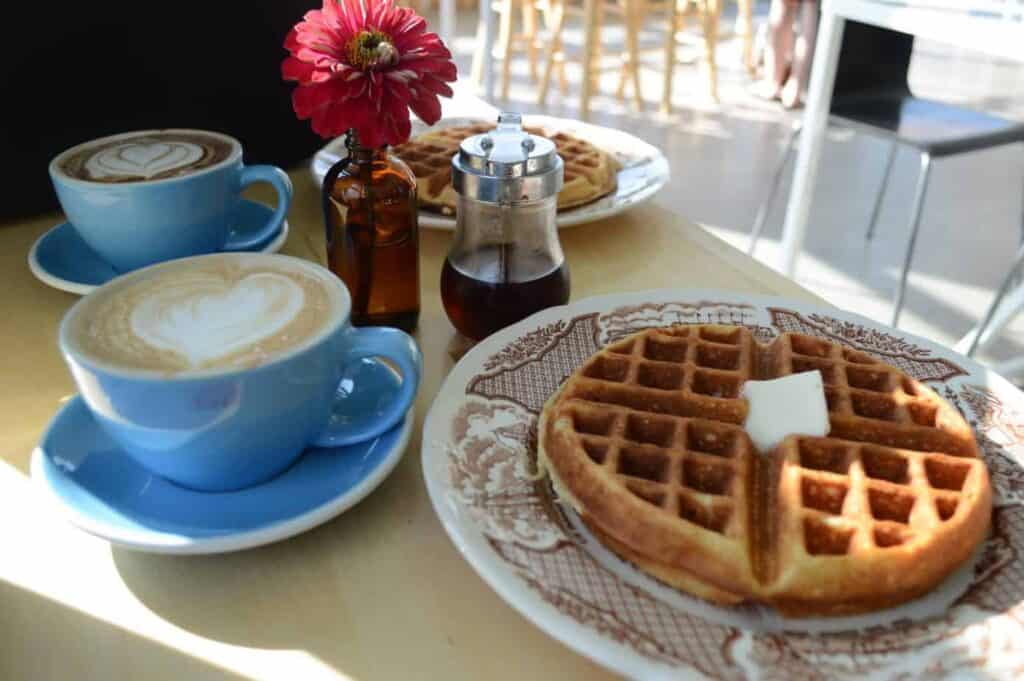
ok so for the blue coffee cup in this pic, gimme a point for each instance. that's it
(226, 429)
(132, 224)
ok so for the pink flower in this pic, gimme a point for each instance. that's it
(364, 64)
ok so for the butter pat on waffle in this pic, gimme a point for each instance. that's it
(590, 173)
(645, 440)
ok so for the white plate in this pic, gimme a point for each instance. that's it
(643, 169)
(477, 440)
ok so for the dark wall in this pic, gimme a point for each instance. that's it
(77, 70)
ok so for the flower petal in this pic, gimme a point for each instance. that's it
(295, 69)
(427, 107)
(375, 99)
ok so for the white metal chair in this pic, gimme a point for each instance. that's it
(871, 95)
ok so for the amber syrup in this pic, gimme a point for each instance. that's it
(504, 288)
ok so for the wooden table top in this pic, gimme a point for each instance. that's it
(377, 593)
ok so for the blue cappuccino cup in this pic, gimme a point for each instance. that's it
(144, 197)
(247, 414)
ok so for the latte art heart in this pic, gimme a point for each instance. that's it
(146, 156)
(205, 318)
(226, 311)
(139, 158)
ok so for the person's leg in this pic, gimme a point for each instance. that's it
(779, 50)
(803, 52)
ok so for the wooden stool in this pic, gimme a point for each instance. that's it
(507, 41)
(446, 19)
(709, 12)
(556, 11)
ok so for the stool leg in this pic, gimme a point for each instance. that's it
(505, 45)
(766, 205)
(633, 25)
(446, 23)
(670, 55)
(881, 191)
(595, 63)
(556, 16)
(563, 80)
(620, 90)
(530, 36)
(712, 10)
(915, 222)
(480, 51)
(591, 37)
(487, 11)
(746, 24)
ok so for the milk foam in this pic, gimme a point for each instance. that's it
(231, 310)
(142, 158)
(206, 320)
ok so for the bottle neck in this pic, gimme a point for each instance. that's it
(361, 154)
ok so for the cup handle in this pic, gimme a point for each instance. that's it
(283, 186)
(400, 348)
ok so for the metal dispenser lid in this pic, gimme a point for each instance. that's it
(507, 165)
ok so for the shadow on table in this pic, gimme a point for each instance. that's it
(33, 656)
(291, 595)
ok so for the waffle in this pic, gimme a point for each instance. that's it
(589, 172)
(645, 440)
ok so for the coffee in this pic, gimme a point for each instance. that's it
(146, 156)
(229, 311)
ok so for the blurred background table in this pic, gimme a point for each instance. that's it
(377, 593)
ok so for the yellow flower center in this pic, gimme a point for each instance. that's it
(371, 48)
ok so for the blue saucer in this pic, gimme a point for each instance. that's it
(60, 258)
(103, 491)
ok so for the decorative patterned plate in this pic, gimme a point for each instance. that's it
(478, 447)
(644, 170)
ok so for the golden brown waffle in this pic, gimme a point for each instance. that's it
(589, 172)
(645, 441)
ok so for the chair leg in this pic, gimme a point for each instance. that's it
(915, 225)
(1019, 276)
(766, 205)
(1004, 288)
(881, 191)
(670, 55)
(996, 320)
(557, 21)
(1010, 369)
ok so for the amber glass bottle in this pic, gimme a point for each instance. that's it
(373, 235)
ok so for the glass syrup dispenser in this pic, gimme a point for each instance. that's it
(505, 262)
